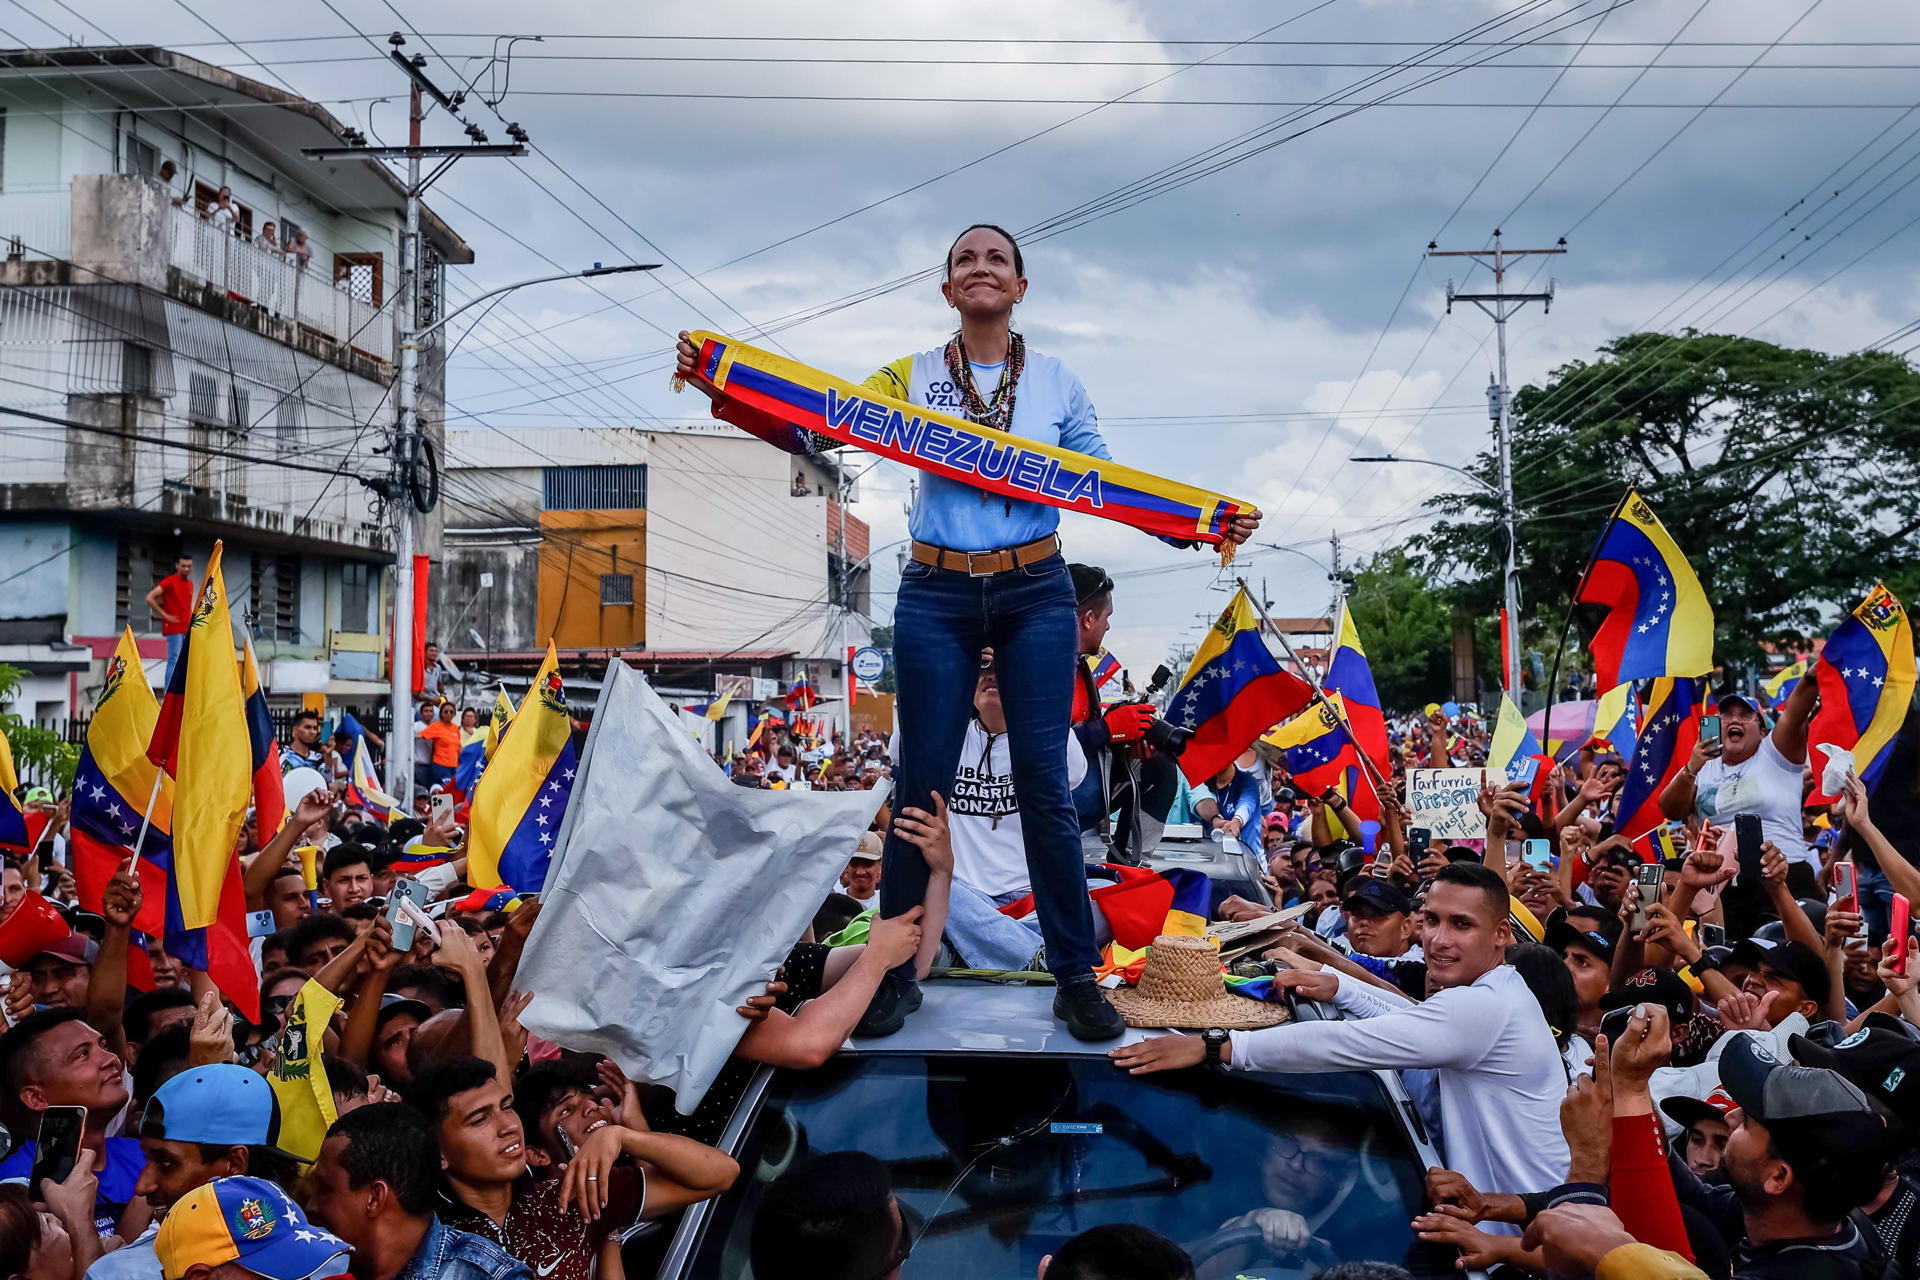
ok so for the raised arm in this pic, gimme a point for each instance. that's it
(107, 987)
(928, 832)
(808, 1038)
(1795, 717)
(259, 874)
(1899, 872)
(678, 1171)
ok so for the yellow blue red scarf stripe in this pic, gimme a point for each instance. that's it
(941, 444)
(1866, 676)
(1658, 620)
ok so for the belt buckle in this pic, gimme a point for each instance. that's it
(979, 573)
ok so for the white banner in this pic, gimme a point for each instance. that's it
(674, 895)
(1447, 802)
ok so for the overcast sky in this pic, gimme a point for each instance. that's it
(1225, 327)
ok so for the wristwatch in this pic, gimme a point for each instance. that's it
(1704, 964)
(1214, 1039)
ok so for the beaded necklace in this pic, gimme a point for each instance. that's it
(998, 412)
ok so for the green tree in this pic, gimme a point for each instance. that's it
(1406, 628)
(38, 752)
(1790, 479)
(883, 640)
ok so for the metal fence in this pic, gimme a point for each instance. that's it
(73, 730)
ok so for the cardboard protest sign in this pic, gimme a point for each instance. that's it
(1447, 802)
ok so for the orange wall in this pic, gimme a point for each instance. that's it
(576, 547)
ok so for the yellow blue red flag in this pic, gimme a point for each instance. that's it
(1616, 721)
(1513, 742)
(1866, 675)
(201, 739)
(298, 1075)
(1667, 739)
(1783, 682)
(363, 787)
(1233, 692)
(13, 822)
(1320, 753)
(520, 799)
(1658, 620)
(269, 798)
(1349, 675)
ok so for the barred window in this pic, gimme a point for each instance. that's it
(616, 588)
(594, 488)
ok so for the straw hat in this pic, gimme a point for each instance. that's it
(1181, 986)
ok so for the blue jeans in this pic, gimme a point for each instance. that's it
(1876, 900)
(986, 939)
(175, 646)
(942, 619)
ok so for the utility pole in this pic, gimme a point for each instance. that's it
(1339, 583)
(404, 492)
(1499, 305)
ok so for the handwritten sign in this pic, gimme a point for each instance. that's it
(1447, 802)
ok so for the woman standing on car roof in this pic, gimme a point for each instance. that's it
(986, 573)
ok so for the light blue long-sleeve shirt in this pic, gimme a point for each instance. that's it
(1049, 405)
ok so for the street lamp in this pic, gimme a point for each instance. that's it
(406, 446)
(1511, 658)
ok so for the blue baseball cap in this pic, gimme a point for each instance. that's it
(222, 1105)
(249, 1221)
(1752, 704)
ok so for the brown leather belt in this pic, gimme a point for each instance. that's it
(980, 563)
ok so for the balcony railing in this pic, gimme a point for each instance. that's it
(35, 225)
(211, 254)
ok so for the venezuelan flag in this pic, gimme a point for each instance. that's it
(503, 713)
(500, 899)
(420, 857)
(1349, 675)
(112, 785)
(14, 836)
(1784, 681)
(802, 693)
(1616, 721)
(1233, 692)
(269, 799)
(1666, 740)
(716, 709)
(111, 788)
(1513, 742)
(473, 761)
(1658, 620)
(201, 739)
(523, 794)
(363, 787)
(1144, 904)
(1320, 753)
(1104, 667)
(1866, 676)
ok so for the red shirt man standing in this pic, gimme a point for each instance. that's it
(172, 601)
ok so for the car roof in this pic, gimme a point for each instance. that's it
(966, 1015)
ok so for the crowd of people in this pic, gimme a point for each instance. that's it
(1694, 1053)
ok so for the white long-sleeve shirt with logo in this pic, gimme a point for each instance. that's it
(1500, 1076)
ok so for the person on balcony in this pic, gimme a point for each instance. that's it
(299, 250)
(223, 213)
(268, 241)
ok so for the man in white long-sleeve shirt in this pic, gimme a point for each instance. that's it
(1500, 1075)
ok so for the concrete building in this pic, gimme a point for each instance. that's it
(698, 554)
(170, 376)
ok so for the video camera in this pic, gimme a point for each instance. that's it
(1168, 739)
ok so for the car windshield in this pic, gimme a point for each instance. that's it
(1004, 1158)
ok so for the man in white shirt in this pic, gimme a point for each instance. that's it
(1499, 1072)
(1751, 770)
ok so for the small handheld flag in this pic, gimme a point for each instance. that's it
(522, 796)
(1666, 741)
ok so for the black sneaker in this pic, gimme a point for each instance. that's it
(1087, 1013)
(895, 998)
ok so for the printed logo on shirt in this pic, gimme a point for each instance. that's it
(1894, 1077)
(1852, 1040)
(982, 793)
(943, 395)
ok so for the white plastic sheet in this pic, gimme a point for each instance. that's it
(674, 895)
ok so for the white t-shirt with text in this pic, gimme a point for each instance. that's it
(1765, 784)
